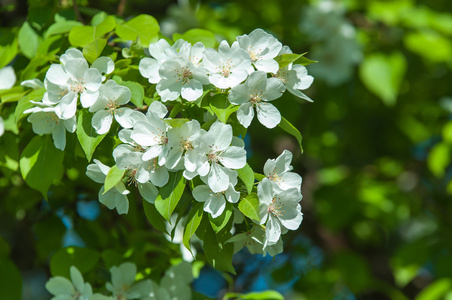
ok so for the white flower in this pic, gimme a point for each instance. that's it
(228, 67)
(44, 120)
(152, 134)
(256, 91)
(193, 53)
(107, 106)
(123, 284)
(116, 197)
(295, 77)
(262, 48)
(184, 142)
(62, 288)
(32, 83)
(278, 172)
(215, 203)
(7, 78)
(278, 210)
(66, 81)
(218, 156)
(179, 77)
(161, 51)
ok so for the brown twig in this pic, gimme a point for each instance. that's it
(77, 12)
(121, 7)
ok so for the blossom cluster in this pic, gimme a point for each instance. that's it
(247, 68)
(153, 145)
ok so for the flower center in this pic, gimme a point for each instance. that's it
(184, 74)
(186, 145)
(112, 106)
(78, 85)
(131, 174)
(283, 75)
(254, 54)
(52, 118)
(276, 208)
(214, 156)
(256, 97)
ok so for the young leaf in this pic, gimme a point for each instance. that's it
(61, 27)
(154, 217)
(246, 174)
(105, 26)
(286, 59)
(86, 134)
(217, 254)
(81, 35)
(93, 50)
(41, 163)
(137, 92)
(176, 122)
(193, 220)
(259, 176)
(221, 221)
(221, 107)
(144, 26)
(197, 35)
(113, 177)
(249, 206)
(170, 194)
(28, 40)
(290, 129)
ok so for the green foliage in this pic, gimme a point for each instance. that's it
(246, 174)
(41, 163)
(249, 206)
(143, 26)
(86, 134)
(170, 195)
(114, 176)
(383, 75)
(84, 259)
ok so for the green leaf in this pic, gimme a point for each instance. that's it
(10, 280)
(292, 130)
(436, 290)
(28, 40)
(221, 221)
(12, 95)
(438, 159)
(246, 174)
(137, 92)
(154, 217)
(86, 134)
(9, 153)
(259, 176)
(265, 295)
(144, 26)
(8, 48)
(61, 27)
(81, 35)
(447, 132)
(93, 50)
(217, 254)
(286, 59)
(176, 122)
(114, 176)
(430, 45)
(107, 25)
(41, 163)
(249, 206)
(84, 259)
(197, 35)
(383, 74)
(193, 220)
(221, 107)
(170, 194)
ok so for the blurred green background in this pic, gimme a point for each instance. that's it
(376, 167)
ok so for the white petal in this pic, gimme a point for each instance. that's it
(160, 176)
(101, 121)
(59, 136)
(201, 193)
(275, 89)
(153, 152)
(218, 179)
(104, 65)
(192, 90)
(268, 115)
(124, 116)
(233, 157)
(7, 78)
(67, 107)
(148, 191)
(272, 229)
(245, 114)
(93, 79)
(88, 98)
(215, 205)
